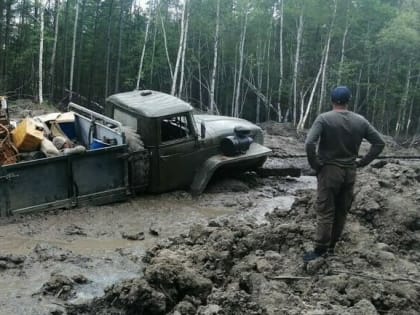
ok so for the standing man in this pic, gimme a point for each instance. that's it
(340, 133)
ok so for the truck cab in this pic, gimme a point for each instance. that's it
(184, 149)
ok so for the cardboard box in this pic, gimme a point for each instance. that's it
(27, 137)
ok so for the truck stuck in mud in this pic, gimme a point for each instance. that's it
(147, 141)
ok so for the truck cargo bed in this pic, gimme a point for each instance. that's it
(97, 176)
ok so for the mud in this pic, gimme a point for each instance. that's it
(237, 249)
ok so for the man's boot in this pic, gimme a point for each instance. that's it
(316, 253)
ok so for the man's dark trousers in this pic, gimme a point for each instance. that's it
(335, 196)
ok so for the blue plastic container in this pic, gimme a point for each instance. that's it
(69, 129)
(98, 144)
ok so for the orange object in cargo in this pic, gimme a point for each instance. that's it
(26, 136)
(8, 152)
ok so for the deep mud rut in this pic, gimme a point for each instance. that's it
(234, 250)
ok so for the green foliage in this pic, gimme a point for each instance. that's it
(381, 49)
(402, 34)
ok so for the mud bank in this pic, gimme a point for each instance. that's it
(230, 267)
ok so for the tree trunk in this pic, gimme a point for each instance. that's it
(241, 66)
(215, 54)
(302, 122)
(260, 62)
(41, 53)
(403, 102)
(200, 76)
(384, 105)
(302, 104)
(120, 34)
(152, 63)
(7, 32)
(296, 64)
(181, 42)
(54, 49)
(73, 50)
(410, 113)
(343, 44)
(325, 65)
(280, 61)
(146, 36)
(165, 41)
(108, 48)
(2, 6)
(369, 51)
(357, 97)
(64, 48)
(184, 49)
(235, 78)
(92, 62)
(268, 89)
(80, 46)
(375, 97)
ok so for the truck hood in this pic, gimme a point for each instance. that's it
(218, 127)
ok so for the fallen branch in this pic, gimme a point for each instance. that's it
(260, 95)
(370, 276)
(59, 293)
(289, 277)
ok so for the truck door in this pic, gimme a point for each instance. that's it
(178, 151)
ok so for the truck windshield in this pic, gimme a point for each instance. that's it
(175, 127)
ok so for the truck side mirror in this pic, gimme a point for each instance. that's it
(203, 130)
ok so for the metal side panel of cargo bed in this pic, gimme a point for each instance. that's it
(93, 178)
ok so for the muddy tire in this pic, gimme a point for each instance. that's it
(139, 163)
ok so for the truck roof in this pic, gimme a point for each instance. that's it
(150, 103)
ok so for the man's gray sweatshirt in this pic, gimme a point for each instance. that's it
(340, 134)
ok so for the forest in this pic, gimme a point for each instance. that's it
(260, 60)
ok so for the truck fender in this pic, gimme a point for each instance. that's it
(207, 169)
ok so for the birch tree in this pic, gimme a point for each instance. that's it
(290, 64)
(403, 103)
(325, 64)
(108, 49)
(281, 57)
(54, 49)
(268, 88)
(241, 65)
(410, 113)
(64, 46)
(2, 5)
(120, 33)
(215, 55)
(165, 41)
(260, 70)
(296, 64)
(303, 120)
(73, 50)
(181, 44)
(146, 36)
(184, 49)
(41, 52)
(343, 44)
(79, 52)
